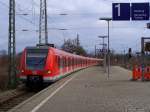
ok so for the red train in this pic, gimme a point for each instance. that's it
(46, 64)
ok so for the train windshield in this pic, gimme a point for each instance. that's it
(36, 59)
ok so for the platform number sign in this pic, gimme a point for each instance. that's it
(133, 11)
(117, 6)
(121, 11)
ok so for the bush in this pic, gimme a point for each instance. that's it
(3, 72)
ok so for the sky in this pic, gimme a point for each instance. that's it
(82, 18)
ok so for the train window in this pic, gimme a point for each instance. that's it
(69, 62)
(58, 61)
(72, 62)
(75, 61)
(36, 59)
(66, 61)
(63, 62)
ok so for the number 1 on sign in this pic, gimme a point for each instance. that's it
(118, 7)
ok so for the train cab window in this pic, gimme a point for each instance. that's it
(36, 59)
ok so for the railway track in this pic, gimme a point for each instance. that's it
(17, 96)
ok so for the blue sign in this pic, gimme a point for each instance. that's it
(140, 11)
(121, 11)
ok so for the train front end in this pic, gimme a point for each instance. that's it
(34, 65)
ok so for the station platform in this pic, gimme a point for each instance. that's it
(89, 90)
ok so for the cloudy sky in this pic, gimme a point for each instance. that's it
(82, 18)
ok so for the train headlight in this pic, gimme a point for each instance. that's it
(48, 71)
(22, 71)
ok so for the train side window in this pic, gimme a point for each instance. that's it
(63, 62)
(58, 61)
(76, 61)
(72, 62)
(68, 62)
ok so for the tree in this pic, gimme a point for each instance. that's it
(73, 46)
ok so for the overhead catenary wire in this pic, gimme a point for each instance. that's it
(24, 18)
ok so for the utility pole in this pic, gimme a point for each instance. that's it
(43, 32)
(12, 46)
(78, 43)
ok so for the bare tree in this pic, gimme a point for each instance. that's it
(73, 46)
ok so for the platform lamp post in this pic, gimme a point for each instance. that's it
(104, 52)
(108, 51)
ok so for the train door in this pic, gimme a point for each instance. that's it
(70, 63)
(61, 65)
(72, 59)
(67, 64)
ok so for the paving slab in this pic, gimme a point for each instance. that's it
(89, 90)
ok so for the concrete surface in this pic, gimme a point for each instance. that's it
(90, 91)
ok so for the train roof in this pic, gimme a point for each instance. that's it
(60, 52)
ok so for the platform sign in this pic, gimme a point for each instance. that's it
(140, 11)
(121, 11)
(103, 50)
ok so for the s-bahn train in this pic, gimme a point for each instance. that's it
(47, 64)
